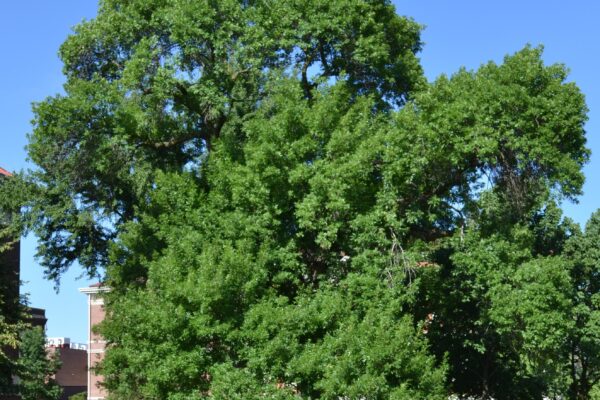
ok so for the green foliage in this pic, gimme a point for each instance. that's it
(35, 368)
(25, 367)
(9, 339)
(151, 85)
(8, 336)
(583, 344)
(78, 396)
(10, 324)
(285, 208)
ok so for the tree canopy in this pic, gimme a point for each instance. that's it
(284, 207)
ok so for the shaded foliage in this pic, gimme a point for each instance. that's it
(36, 368)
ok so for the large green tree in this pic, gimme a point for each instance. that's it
(285, 208)
(583, 341)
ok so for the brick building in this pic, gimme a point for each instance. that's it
(72, 376)
(96, 343)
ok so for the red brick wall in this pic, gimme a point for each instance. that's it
(96, 345)
(72, 375)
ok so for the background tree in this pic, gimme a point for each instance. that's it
(78, 396)
(27, 369)
(583, 345)
(36, 368)
(9, 339)
(11, 316)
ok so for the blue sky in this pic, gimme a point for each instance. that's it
(31, 32)
(458, 33)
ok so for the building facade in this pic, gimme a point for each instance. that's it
(72, 375)
(96, 344)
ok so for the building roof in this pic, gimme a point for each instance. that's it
(95, 288)
(4, 172)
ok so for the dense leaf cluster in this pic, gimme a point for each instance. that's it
(36, 368)
(26, 369)
(285, 208)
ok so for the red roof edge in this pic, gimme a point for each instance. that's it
(4, 172)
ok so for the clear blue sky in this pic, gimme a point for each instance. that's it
(458, 33)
